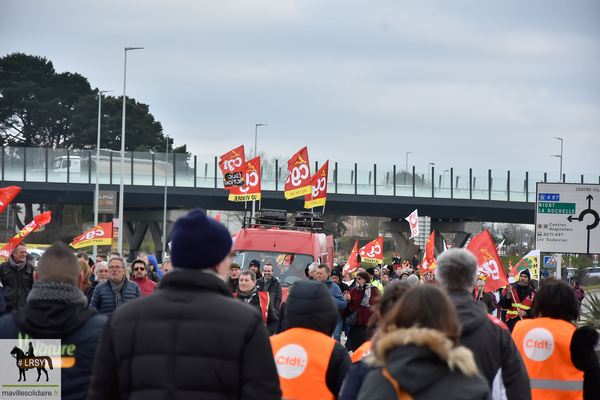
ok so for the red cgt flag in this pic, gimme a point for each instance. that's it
(101, 234)
(428, 263)
(319, 188)
(352, 264)
(373, 251)
(233, 166)
(298, 182)
(7, 195)
(251, 190)
(37, 223)
(490, 265)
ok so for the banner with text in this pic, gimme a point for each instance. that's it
(100, 235)
(298, 182)
(233, 166)
(319, 188)
(251, 190)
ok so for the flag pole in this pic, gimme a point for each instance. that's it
(515, 302)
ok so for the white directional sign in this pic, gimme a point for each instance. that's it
(566, 218)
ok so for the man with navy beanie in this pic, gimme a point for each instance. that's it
(211, 346)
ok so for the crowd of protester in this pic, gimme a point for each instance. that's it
(201, 327)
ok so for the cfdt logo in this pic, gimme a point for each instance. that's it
(538, 344)
(291, 361)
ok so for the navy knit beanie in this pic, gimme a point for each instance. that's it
(525, 272)
(198, 241)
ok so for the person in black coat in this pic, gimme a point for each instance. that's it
(310, 306)
(270, 284)
(57, 309)
(206, 344)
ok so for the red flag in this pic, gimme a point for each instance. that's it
(251, 190)
(428, 263)
(37, 223)
(490, 265)
(101, 234)
(298, 182)
(7, 195)
(233, 166)
(319, 188)
(352, 264)
(218, 218)
(373, 251)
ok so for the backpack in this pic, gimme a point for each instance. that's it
(579, 293)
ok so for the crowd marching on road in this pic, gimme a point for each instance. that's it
(198, 326)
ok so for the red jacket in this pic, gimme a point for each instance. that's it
(364, 313)
(146, 285)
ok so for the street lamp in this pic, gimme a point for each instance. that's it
(121, 186)
(444, 177)
(97, 191)
(164, 238)
(406, 174)
(560, 178)
(431, 164)
(255, 136)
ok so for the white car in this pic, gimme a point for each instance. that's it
(593, 271)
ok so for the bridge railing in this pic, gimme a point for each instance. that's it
(201, 171)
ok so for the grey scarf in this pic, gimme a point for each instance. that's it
(367, 296)
(117, 291)
(57, 291)
(16, 266)
(248, 297)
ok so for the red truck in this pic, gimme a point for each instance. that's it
(290, 245)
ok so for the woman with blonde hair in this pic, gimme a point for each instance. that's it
(419, 353)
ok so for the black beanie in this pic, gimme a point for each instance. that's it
(525, 272)
(198, 241)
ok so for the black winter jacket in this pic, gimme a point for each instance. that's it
(420, 360)
(17, 284)
(492, 346)
(204, 342)
(71, 323)
(308, 306)
(274, 289)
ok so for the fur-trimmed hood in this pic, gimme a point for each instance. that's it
(459, 358)
(427, 365)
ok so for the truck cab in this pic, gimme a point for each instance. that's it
(290, 245)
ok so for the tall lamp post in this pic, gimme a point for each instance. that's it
(406, 173)
(560, 178)
(164, 238)
(431, 164)
(256, 136)
(255, 149)
(121, 186)
(97, 191)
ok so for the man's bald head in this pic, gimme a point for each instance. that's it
(58, 264)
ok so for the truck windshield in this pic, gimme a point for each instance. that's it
(287, 267)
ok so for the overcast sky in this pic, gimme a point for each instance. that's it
(486, 84)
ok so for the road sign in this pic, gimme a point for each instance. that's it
(554, 258)
(449, 246)
(548, 263)
(567, 219)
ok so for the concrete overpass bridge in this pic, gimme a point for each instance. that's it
(454, 198)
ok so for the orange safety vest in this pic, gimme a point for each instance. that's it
(545, 345)
(525, 304)
(302, 356)
(264, 300)
(363, 351)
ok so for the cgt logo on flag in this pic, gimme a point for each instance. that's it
(413, 221)
(18, 358)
